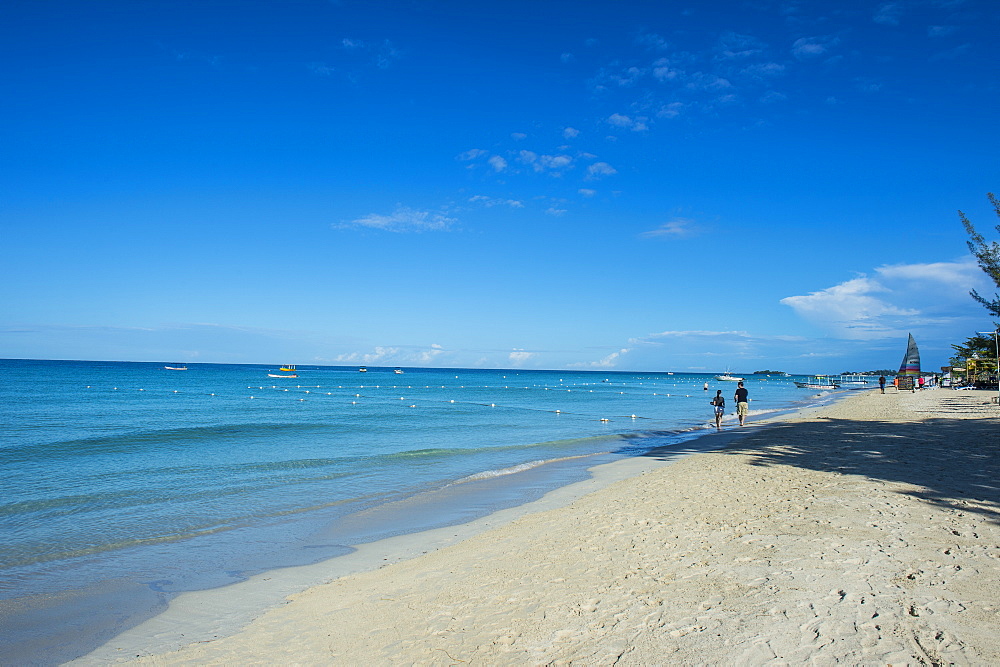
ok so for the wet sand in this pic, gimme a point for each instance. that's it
(864, 532)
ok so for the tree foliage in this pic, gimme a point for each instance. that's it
(987, 255)
(983, 346)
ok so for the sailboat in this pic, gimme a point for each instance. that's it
(911, 360)
(909, 369)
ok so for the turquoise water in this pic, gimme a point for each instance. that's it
(162, 481)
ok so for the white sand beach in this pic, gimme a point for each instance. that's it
(865, 532)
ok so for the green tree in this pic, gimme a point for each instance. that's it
(987, 256)
(983, 346)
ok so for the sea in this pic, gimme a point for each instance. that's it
(125, 483)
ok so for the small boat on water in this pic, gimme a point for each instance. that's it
(726, 377)
(176, 368)
(362, 370)
(853, 381)
(398, 371)
(275, 375)
(819, 382)
(288, 368)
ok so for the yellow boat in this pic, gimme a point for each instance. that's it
(289, 368)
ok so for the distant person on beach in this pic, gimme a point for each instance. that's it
(920, 381)
(705, 387)
(881, 383)
(720, 408)
(742, 402)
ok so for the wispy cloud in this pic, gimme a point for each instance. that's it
(402, 219)
(490, 202)
(610, 361)
(599, 169)
(627, 122)
(380, 53)
(812, 47)
(471, 154)
(674, 229)
(888, 13)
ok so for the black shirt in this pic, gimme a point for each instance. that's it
(741, 395)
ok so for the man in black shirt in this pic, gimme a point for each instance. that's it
(742, 402)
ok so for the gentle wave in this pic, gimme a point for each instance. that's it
(513, 470)
(118, 442)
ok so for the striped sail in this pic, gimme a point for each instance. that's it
(911, 361)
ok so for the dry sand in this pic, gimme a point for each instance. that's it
(867, 532)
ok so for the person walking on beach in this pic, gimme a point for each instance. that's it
(720, 408)
(881, 383)
(742, 403)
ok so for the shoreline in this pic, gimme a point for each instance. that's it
(71, 616)
(866, 531)
(207, 614)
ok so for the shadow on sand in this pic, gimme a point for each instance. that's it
(955, 462)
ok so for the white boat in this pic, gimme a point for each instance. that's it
(275, 375)
(398, 371)
(819, 382)
(726, 377)
(853, 381)
(362, 370)
(176, 368)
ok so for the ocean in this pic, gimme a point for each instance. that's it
(127, 483)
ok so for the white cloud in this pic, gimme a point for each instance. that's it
(850, 309)
(652, 41)
(811, 47)
(555, 161)
(599, 169)
(902, 297)
(587, 192)
(498, 163)
(671, 110)
(962, 275)
(490, 202)
(571, 133)
(635, 124)
(518, 136)
(552, 210)
(519, 356)
(888, 13)
(379, 354)
(941, 30)
(609, 361)
(676, 228)
(663, 70)
(403, 219)
(734, 46)
(471, 154)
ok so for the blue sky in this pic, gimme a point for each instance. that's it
(618, 185)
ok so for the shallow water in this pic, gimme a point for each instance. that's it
(136, 482)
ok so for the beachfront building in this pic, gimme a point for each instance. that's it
(978, 371)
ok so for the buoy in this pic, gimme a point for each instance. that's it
(633, 416)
